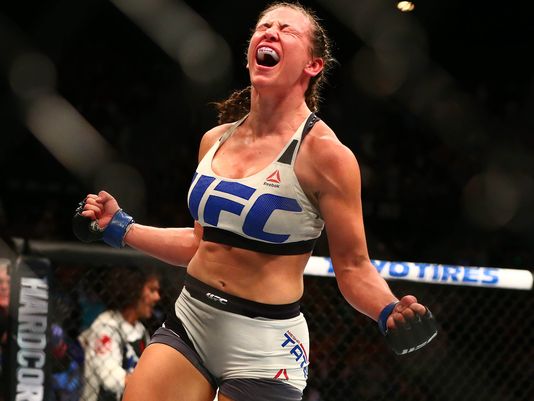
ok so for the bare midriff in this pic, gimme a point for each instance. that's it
(259, 277)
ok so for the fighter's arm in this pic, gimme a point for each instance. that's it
(175, 246)
(339, 199)
(406, 324)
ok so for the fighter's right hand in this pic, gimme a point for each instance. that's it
(101, 207)
(99, 217)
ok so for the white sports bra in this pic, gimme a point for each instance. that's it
(266, 212)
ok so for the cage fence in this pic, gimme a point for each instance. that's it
(483, 351)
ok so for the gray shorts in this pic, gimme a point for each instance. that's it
(250, 351)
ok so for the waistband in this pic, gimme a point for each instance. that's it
(230, 303)
(214, 234)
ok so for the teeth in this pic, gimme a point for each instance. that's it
(263, 51)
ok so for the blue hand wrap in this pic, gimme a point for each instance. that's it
(383, 317)
(117, 228)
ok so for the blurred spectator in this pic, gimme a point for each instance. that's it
(67, 365)
(115, 340)
(4, 306)
(7, 256)
(5, 280)
(64, 316)
(90, 296)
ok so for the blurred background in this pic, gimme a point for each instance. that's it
(436, 103)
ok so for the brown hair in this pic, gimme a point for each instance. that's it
(125, 285)
(237, 105)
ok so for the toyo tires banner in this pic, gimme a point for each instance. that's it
(434, 273)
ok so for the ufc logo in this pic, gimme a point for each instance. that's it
(256, 217)
(216, 298)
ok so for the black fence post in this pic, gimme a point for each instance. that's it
(28, 369)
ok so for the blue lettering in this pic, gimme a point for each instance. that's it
(379, 264)
(297, 351)
(422, 270)
(435, 276)
(470, 275)
(235, 188)
(450, 271)
(330, 266)
(197, 192)
(395, 272)
(260, 212)
(215, 205)
(288, 340)
(256, 218)
(492, 274)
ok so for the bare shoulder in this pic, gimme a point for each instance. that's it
(210, 137)
(325, 160)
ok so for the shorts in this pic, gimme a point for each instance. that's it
(249, 350)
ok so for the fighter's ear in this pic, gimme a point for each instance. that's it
(314, 66)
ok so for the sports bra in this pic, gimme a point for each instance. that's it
(265, 212)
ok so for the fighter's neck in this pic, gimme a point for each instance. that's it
(276, 115)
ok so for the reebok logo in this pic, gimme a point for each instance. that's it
(273, 180)
(274, 177)
(280, 373)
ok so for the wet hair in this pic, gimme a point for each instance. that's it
(125, 285)
(237, 105)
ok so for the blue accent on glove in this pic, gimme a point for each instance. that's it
(409, 336)
(117, 228)
(383, 317)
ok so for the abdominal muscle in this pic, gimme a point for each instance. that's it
(269, 279)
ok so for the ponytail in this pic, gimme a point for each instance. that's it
(235, 107)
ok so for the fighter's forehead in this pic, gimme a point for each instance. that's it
(286, 16)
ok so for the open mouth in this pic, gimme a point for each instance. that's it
(267, 57)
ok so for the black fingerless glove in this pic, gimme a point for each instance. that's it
(88, 230)
(414, 334)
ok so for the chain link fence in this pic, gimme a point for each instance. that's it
(483, 351)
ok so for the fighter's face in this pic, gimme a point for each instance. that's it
(280, 47)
